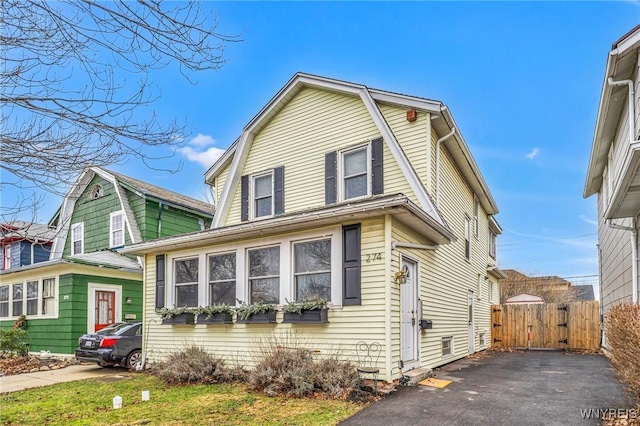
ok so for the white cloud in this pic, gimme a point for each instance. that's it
(533, 154)
(202, 140)
(196, 150)
(206, 158)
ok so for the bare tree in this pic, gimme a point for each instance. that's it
(551, 288)
(75, 88)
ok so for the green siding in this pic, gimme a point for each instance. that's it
(173, 222)
(61, 335)
(95, 215)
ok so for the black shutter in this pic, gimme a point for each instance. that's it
(330, 177)
(244, 198)
(351, 265)
(377, 176)
(160, 281)
(278, 190)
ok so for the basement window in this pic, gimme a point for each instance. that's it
(447, 346)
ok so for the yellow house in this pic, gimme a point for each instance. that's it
(367, 198)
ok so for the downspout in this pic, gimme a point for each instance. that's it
(438, 143)
(634, 255)
(631, 109)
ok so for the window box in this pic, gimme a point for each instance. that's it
(220, 318)
(307, 316)
(259, 318)
(187, 318)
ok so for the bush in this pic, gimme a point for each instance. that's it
(14, 341)
(622, 326)
(194, 365)
(291, 371)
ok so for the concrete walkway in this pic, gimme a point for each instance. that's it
(20, 382)
(531, 388)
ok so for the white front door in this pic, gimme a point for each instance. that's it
(471, 332)
(409, 315)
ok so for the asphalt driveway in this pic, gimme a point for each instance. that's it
(526, 388)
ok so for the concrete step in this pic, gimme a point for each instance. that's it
(412, 377)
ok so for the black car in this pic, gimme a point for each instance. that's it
(119, 343)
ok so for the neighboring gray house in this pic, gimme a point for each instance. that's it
(613, 173)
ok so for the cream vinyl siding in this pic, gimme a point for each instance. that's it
(238, 343)
(615, 263)
(456, 202)
(312, 124)
(220, 181)
(413, 141)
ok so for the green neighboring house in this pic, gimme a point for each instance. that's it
(85, 284)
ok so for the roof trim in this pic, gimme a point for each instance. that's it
(600, 146)
(295, 84)
(390, 204)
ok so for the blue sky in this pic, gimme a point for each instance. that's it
(521, 79)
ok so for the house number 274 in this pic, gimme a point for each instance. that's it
(373, 257)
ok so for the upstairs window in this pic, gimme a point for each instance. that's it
(96, 192)
(355, 173)
(476, 208)
(262, 195)
(7, 257)
(77, 238)
(492, 244)
(467, 238)
(116, 229)
(186, 279)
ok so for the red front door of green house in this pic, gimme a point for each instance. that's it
(105, 308)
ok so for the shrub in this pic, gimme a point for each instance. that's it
(14, 341)
(622, 326)
(194, 365)
(287, 369)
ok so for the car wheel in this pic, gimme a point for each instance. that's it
(133, 359)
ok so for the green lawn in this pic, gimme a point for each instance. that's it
(89, 402)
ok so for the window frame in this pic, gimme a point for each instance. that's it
(476, 212)
(294, 274)
(75, 226)
(7, 256)
(341, 171)
(252, 195)
(7, 301)
(467, 238)
(209, 296)
(13, 299)
(190, 283)
(112, 230)
(493, 242)
(449, 340)
(333, 232)
(28, 299)
(248, 271)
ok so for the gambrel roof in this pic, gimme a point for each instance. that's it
(442, 122)
(121, 183)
